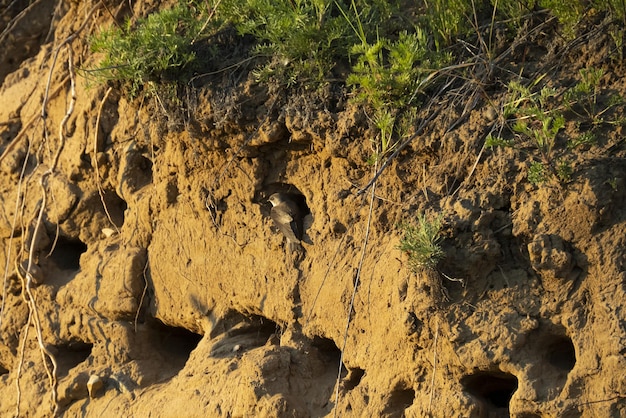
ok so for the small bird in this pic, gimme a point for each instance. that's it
(287, 217)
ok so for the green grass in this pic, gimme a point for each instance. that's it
(539, 115)
(421, 242)
(304, 40)
(394, 52)
(386, 77)
(583, 98)
(155, 49)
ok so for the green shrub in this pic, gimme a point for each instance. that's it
(584, 98)
(154, 49)
(537, 118)
(564, 171)
(540, 115)
(290, 31)
(569, 14)
(537, 173)
(421, 242)
(303, 37)
(387, 75)
(447, 19)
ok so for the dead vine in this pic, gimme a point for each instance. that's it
(354, 291)
(26, 273)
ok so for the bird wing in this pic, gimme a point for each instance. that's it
(279, 214)
(296, 218)
(286, 220)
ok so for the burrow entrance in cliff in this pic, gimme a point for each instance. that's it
(354, 378)
(173, 343)
(66, 253)
(557, 359)
(401, 397)
(290, 192)
(70, 355)
(63, 263)
(238, 333)
(561, 353)
(493, 390)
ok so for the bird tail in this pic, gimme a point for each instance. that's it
(295, 246)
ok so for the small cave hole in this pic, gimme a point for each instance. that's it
(401, 397)
(66, 253)
(291, 195)
(354, 378)
(70, 355)
(115, 207)
(3, 370)
(174, 343)
(494, 388)
(258, 326)
(290, 192)
(561, 353)
(237, 333)
(143, 174)
(328, 350)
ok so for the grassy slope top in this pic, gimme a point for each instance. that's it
(396, 57)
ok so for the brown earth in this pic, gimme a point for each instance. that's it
(137, 240)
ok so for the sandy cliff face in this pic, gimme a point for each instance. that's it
(139, 251)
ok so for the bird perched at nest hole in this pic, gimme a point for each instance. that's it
(288, 219)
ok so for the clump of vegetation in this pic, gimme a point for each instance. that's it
(300, 38)
(535, 118)
(395, 49)
(155, 49)
(388, 73)
(421, 242)
(569, 14)
(583, 99)
(447, 19)
(305, 39)
(387, 76)
(540, 115)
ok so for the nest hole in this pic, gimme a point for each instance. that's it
(174, 343)
(561, 353)
(494, 389)
(67, 252)
(70, 355)
(401, 397)
(354, 378)
(291, 192)
(237, 333)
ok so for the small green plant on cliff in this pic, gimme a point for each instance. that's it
(387, 75)
(446, 19)
(302, 39)
(540, 115)
(584, 98)
(155, 49)
(592, 107)
(421, 242)
(535, 117)
(568, 13)
(296, 36)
